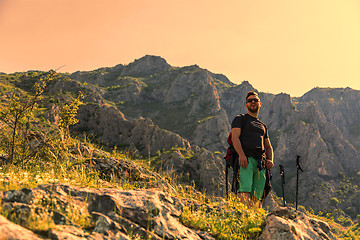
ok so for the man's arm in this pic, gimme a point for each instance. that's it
(269, 153)
(235, 138)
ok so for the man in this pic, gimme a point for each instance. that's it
(254, 150)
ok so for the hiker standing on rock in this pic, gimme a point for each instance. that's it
(251, 141)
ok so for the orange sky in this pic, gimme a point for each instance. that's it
(278, 46)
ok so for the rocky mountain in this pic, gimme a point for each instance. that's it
(322, 126)
(182, 100)
(151, 107)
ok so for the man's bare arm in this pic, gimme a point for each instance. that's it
(269, 153)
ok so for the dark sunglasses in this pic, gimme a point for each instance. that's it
(252, 100)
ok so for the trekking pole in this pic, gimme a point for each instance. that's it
(226, 183)
(297, 178)
(282, 174)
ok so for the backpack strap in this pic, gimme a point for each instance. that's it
(226, 181)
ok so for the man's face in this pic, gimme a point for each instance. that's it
(253, 104)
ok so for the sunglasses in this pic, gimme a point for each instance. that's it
(252, 100)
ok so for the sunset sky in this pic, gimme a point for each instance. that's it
(278, 45)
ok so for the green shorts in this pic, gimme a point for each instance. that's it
(251, 179)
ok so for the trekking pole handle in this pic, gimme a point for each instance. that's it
(282, 174)
(298, 163)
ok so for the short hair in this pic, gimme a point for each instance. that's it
(251, 93)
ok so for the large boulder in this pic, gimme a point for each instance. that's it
(289, 224)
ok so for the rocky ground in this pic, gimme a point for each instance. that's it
(115, 213)
(289, 224)
(61, 211)
(125, 214)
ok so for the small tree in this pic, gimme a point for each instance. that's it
(17, 117)
(67, 118)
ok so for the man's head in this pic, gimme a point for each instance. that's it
(253, 103)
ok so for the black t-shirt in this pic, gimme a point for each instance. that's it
(253, 132)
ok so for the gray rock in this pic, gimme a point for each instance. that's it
(286, 224)
(9, 230)
(117, 214)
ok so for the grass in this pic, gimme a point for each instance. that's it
(225, 219)
(222, 218)
(349, 232)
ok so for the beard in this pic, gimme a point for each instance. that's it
(253, 108)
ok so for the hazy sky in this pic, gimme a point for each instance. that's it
(286, 46)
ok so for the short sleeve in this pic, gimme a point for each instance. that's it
(236, 123)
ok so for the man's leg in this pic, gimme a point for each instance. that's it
(245, 198)
(256, 203)
(258, 186)
(246, 182)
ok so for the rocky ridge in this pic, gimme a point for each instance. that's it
(321, 126)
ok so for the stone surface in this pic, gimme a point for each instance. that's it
(9, 230)
(116, 214)
(288, 224)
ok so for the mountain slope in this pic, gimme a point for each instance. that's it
(322, 126)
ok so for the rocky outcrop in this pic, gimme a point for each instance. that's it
(198, 166)
(113, 213)
(111, 128)
(288, 224)
(233, 100)
(180, 100)
(340, 107)
(141, 135)
(146, 65)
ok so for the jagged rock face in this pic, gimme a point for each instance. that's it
(307, 141)
(111, 128)
(340, 107)
(177, 99)
(233, 100)
(116, 213)
(91, 92)
(202, 167)
(277, 111)
(288, 224)
(302, 128)
(213, 133)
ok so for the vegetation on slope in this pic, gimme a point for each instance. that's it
(35, 151)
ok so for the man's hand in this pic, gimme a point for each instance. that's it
(269, 163)
(243, 162)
